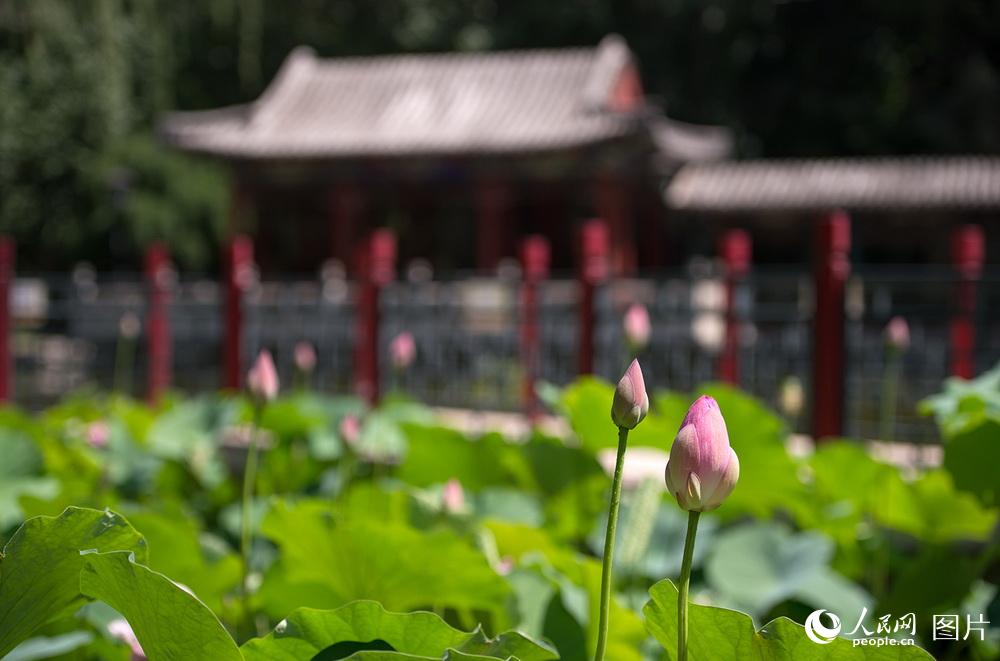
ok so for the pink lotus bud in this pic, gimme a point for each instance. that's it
(703, 468)
(305, 357)
(98, 434)
(262, 379)
(403, 350)
(453, 496)
(897, 334)
(122, 630)
(631, 403)
(350, 429)
(637, 327)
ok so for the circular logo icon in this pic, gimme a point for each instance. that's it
(819, 632)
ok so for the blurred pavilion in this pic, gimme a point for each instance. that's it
(490, 146)
(462, 154)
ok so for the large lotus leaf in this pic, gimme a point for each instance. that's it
(369, 558)
(40, 568)
(170, 623)
(175, 550)
(948, 514)
(437, 454)
(963, 404)
(972, 455)
(720, 633)
(366, 625)
(756, 566)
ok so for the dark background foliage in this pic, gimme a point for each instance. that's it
(83, 81)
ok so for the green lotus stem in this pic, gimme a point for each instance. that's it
(682, 591)
(609, 546)
(890, 388)
(246, 536)
(124, 360)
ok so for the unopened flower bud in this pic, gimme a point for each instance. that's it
(637, 327)
(305, 357)
(262, 379)
(403, 350)
(631, 403)
(703, 468)
(350, 429)
(98, 434)
(453, 496)
(897, 334)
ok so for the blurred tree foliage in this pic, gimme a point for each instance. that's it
(83, 82)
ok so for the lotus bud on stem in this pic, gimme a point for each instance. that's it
(701, 473)
(262, 382)
(897, 341)
(628, 408)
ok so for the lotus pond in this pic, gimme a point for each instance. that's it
(384, 534)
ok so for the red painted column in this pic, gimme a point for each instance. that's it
(611, 199)
(159, 275)
(833, 242)
(968, 250)
(736, 250)
(7, 258)
(238, 264)
(593, 271)
(345, 204)
(376, 267)
(535, 266)
(492, 228)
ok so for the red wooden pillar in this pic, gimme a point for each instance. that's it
(159, 275)
(735, 249)
(535, 265)
(7, 258)
(492, 228)
(593, 271)
(967, 252)
(833, 241)
(376, 267)
(611, 198)
(238, 264)
(345, 205)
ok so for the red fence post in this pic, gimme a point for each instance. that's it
(158, 281)
(968, 251)
(238, 265)
(7, 257)
(735, 249)
(535, 265)
(594, 249)
(376, 267)
(833, 241)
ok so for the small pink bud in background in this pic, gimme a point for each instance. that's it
(403, 350)
(98, 434)
(631, 403)
(262, 379)
(897, 334)
(122, 630)
(637, 327)
(703, 468)
(350, 429)
(453, 496)
(305, 357)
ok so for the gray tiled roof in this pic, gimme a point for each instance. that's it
(956, 182)
(504, 102)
